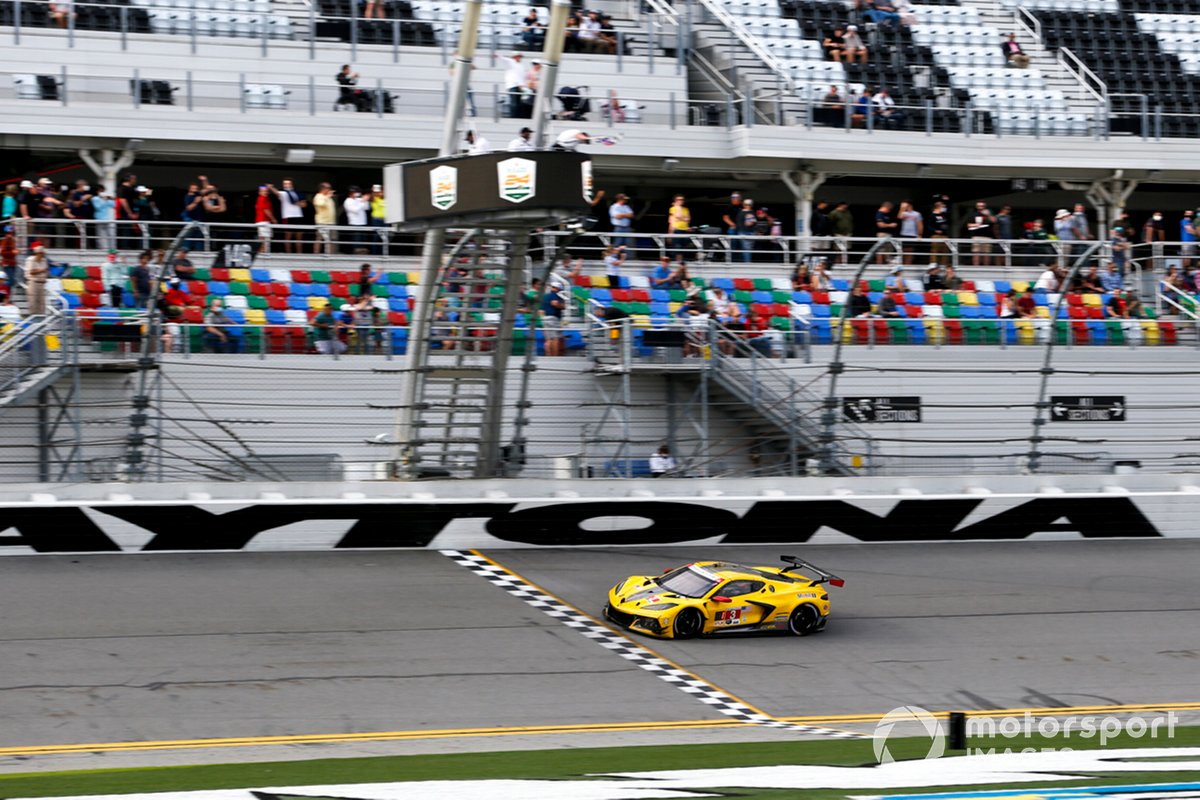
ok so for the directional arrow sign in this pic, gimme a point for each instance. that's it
(1101, 408)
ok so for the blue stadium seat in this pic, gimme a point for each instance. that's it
(602, 296)
(218, 288)
(916, 331)
(397, 305)
(762, 297)
(1003, 287)
(660, 296)
(400, 292)
(319, 290)
(276, 317)
(916, 298)
(802, 297)
(723, 283)
(301, 290)
(260, 275)
(840, 285)
(660, 309)
(823, 329)
(237, 315)
(297, 303)
(821, 311)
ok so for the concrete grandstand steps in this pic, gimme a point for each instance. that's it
(742, 68)
(994, 14)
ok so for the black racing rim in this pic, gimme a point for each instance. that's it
(688, 623)
(804, 620)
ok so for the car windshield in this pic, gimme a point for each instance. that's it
(689, 582)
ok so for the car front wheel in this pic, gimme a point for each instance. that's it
(688, 624)
(804, 620)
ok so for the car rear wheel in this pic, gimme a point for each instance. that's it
(688, 624)
(804, 620)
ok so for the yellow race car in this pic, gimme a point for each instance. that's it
(718, 597)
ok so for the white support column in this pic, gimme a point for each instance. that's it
(803, 186)
(109, 167)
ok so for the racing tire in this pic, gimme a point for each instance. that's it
(688, 624)
(805, 619)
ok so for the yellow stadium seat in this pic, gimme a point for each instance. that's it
(1020, 286)
(1092, 300)
(240, 275)
(1150, 329)
(1043, 312)
(599, 281)
(935, 331)
(72, 285)
(641, 321)
(968, 299)
(414, 278)
(256, 316)
(1025, 332)
(317, 302)
(52, 342)
(674, 306)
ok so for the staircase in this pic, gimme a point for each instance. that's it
(27, 364)
(994, 14)
(744, 73)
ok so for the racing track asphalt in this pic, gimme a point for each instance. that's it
(133, 647)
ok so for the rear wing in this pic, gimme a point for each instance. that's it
(795, 563)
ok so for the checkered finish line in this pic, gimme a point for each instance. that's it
(631, 651)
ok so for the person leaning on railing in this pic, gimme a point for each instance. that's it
(37, 272)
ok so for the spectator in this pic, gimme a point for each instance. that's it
(853, 48)
(1014, 56)
(896, 281)
(27, 200)
(516, 86)
(1187, 235)
(1026, 305)
(571, 35)
(885, 227)
(662, 462)
(1079, 221)
(348, 91)
(1155, 230)
(883, 14)
(951, 282)
(719, 301)
(885, 110)
(215, 209)
(730, 218)
(477, 144)
(172, 332)
(1120, 306)
(8, 257)
(664, 277)
(1064, 229)
(620, 214)
(139, 279)
(1035, 231)
(981, 229)
(935, 281)
(912, 226)
(607, 39)
(1173, 278)
(264, 218)
(79, 208)
(218, 329)
(1111, 279)
(938, 229)
(571, 139)
(9, 205)
(860, 304)
(367, 279)
(326, 330)
(842, 222)
(533, 32)
(357, 209)
(1004, 223)
(614, 257)
(1050, 280)
(1089, 282)
(182, 266)
(679, 223)
(835, 48)
(346, 319)
(1008, 306)
(820, 227)
(821, 281)
(802, 279)
(325, 217)
(553, 309)
(887, 303)
(37, 272)
(521, 143)
(193, 211)
(173, 297)
(291, 211)
(589, 32)
(104, 209)
(377, 219)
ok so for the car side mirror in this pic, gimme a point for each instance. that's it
(718, 598)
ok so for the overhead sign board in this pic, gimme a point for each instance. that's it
(882, 409)
(500, 183)
(1101, 408)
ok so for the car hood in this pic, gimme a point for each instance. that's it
(649, 596)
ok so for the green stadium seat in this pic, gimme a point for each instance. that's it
(876, 286)
(320, 276)
(678, 296)
(202, 274)
(763, 285)
(745, 298)
(781, 297)
(255, 301)
(239, 288)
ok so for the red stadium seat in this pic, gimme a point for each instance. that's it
(95, 272)
(92, 300)
(341, 276)
(193, 315)
(933, 299)
(913, 311)
(640, 295)
(340, 290)
(281, 289)
(1079, 332)
(881, 331)
(197, 287)
(968, 286)
(219, 274)
(93, 285)
(1077, 312)
(743, 284)
(397, 318)
(1095, 313)
(954, 331)
(277, 303)
(820, 298)
(1074, 299)
(621, 295)
(301, 276)
(780, 310)
(583, 280)
(259, 288)
(1168, 332)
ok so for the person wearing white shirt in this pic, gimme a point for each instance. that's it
(589, 30)
(516, 73)
(1048, 280)
(357, 209)
(570, 139)
(662, 462)
(521, 143)
(885, 109)
(477, 145)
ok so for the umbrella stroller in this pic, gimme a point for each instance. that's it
(576, 105)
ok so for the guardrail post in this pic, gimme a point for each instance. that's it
(1158, 123)
(969, 127)
(62, 84)
(124, 15)
(650, 37)
(71, 29)
(16, 22)
(1037, 124)
(192, 30)
(137, 86)
(354, 31)
(749, 113)
(729, 112)
(396, 41)
(312, 96)
(242, 92)
(188, 88)
(929, 118)
(495, 102)
(671, 115)
(265, 38)
(312, 31)
(379, 104)
(620, 51)
(1145, 118)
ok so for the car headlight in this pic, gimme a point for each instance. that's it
(659, 606)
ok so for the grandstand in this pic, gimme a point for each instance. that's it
(705, 96)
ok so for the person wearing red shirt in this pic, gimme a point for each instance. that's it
(1026, 306)
(264, 217)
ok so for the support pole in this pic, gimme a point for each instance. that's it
(551, 56)
(415, 356)
(108, 168)
(803, 186)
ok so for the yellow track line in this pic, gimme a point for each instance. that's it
(534, 730)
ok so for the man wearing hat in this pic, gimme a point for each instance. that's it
(325, 326)
(37, 272)
(521, 143)
(853, 46)
(1064, 229)
(620, 214)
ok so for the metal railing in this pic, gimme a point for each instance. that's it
(1089, 80)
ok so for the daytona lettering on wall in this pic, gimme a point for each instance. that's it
(388, 525)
